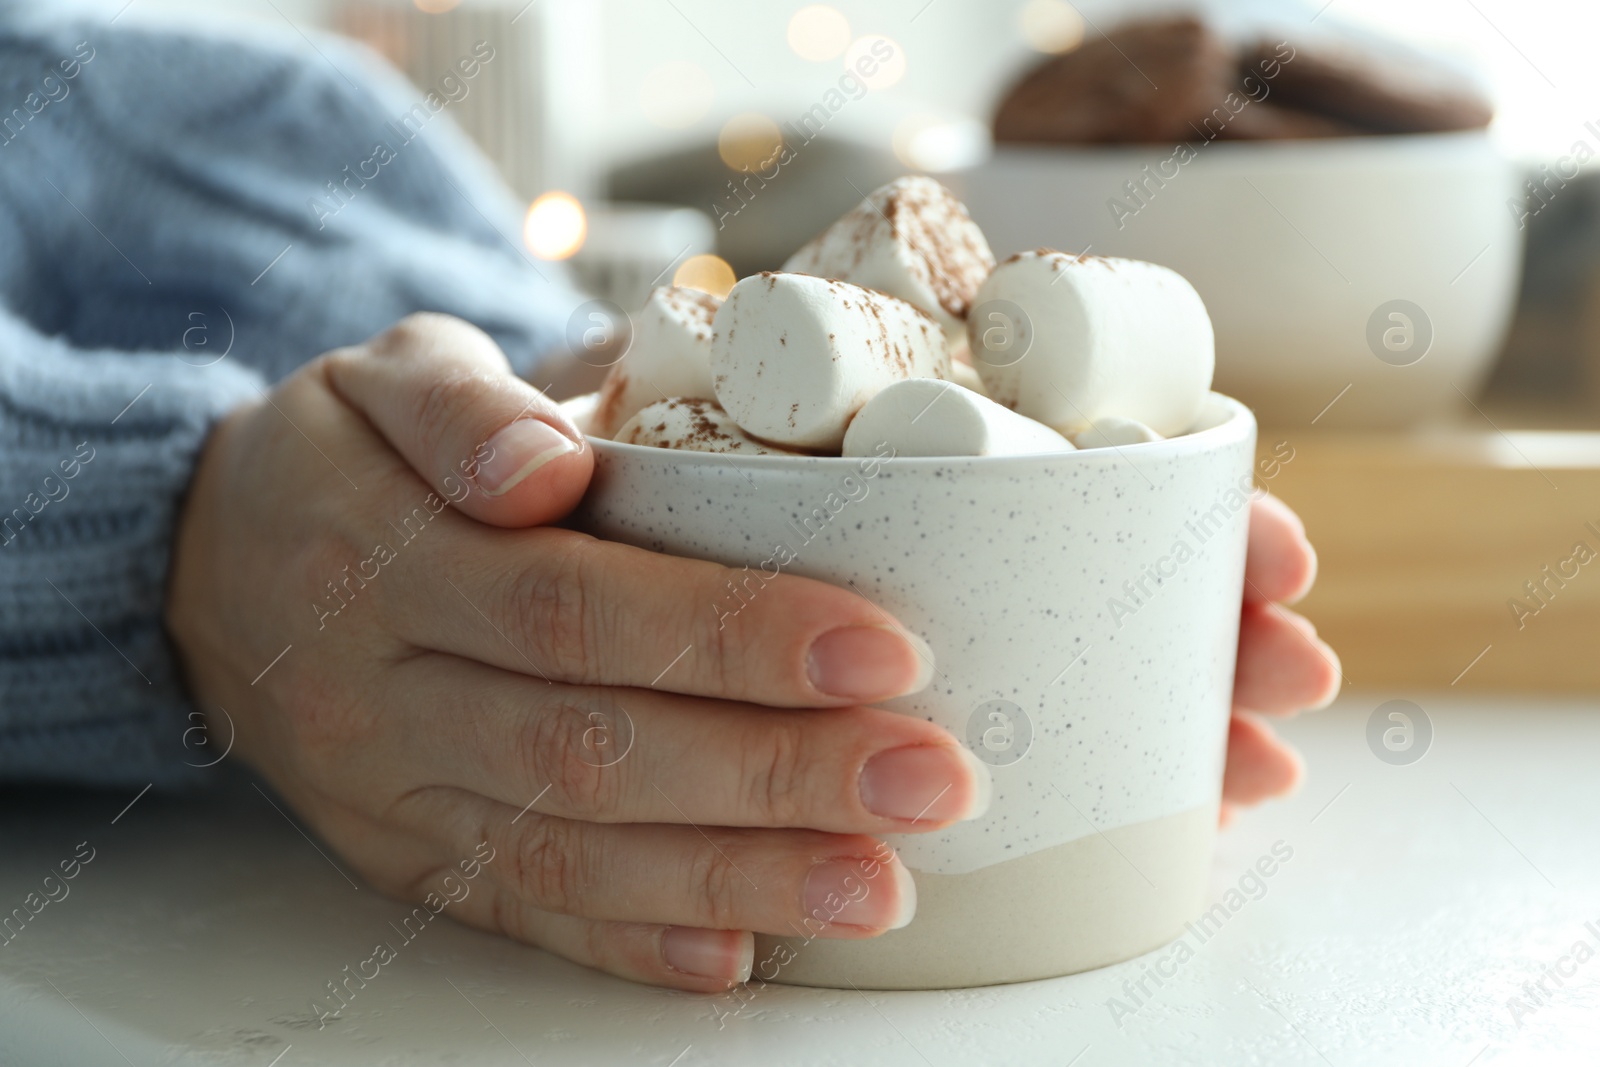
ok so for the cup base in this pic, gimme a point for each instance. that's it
(1088, 903)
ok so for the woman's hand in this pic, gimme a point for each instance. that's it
(1283, 666)
(430, 678)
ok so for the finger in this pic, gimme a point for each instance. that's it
(636, 756)
(1259, 765)
(558, 604)
(770, 881)
(451, 883)
(442, 394)
(1283, 665)
(1280, 564)
(677, 957)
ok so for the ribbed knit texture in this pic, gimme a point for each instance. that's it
(141, 204)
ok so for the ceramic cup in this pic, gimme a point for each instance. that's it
(1083, 609)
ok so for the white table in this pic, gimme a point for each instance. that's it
(1418, 901)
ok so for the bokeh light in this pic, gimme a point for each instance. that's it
(1051, 25)
(749, 142)
(889, 71)
(556, 226)
(707, 273)
(934, 143)
(676, 95)
(819, 33)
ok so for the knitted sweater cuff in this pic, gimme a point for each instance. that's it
(100, 448)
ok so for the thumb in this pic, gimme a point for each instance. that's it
(443, 395)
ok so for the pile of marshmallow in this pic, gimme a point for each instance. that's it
(896, 327)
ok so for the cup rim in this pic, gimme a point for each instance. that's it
(1236, 423)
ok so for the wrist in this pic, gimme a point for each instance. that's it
(196, 595)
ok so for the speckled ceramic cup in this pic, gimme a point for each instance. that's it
(1083, 609)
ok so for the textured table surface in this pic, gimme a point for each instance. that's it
(1418, 901)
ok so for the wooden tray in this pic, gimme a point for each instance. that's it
(1430, 540)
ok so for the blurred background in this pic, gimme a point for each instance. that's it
(667, 75)
(632, 99)
(1413, 316)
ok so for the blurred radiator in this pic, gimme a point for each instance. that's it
(531, 106)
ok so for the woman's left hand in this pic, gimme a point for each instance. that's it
(1283, 666)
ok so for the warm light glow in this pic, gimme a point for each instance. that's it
(1051, 25)
(709, 274)
(749, 141)
(556, 226)
(676, 95)
(437, 7)
(933, 144)
(889, 60)
(819, 33)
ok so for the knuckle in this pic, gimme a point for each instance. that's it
(597, 944)
(556, 750)
(326, 720)
(320, 560)
(445, 406)
(547, 865)
(335, 569)
(713, 884)
(435, 333)
(325, 701)
(417, 330)
(319, 700)
(338, 363)
(404, 337)
(552, 610)
(719, 634)
(413, 886)
(507, 915)
(775, 772)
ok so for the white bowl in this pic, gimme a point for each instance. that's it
(1080, 652)
(1300, 250)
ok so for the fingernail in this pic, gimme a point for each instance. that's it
(724, 955)
(1336, 676)
(930, 783)
(869, 663)
(1311, 573)
(861, 892)
(517, 451)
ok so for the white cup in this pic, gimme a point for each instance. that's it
(1083, 609)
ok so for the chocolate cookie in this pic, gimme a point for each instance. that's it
(1374, 96)
(1269, 121)
(1174, 79)
(1146, 82)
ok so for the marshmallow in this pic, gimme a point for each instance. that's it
(927, 417)
(694, 425)
(580, 410)
(963, 375)
(911, 239)
(669, 356)
(1096, 337)
(793, 357)
(1113, 431)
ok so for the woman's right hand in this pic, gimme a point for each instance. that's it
(426, 671)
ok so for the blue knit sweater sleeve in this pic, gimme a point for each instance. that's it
(184, 219)
(96, 449)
